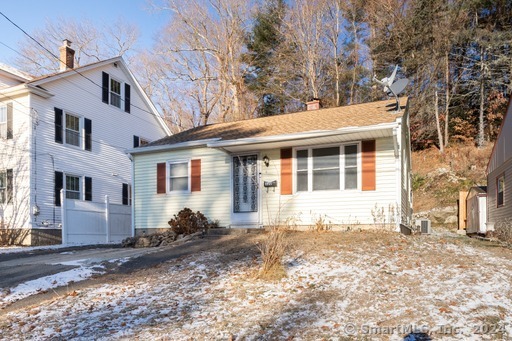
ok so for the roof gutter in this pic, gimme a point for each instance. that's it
(217, 143)
(166, 147)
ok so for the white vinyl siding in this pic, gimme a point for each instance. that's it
(214, 199)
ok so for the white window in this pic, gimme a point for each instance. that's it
(302, 170)
(351, 167)
(329, 168)
(5, 186)
(73, 130)
(3, 122)
(115, 93)
(500, 189)
(178, 176)
(73, 187)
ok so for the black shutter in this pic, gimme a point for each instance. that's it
(127, 97)
(88, 188)
(9, 186)
(88, 132)
(136, 141)
(59, 181)
(125, 194)
(9, 120)
(104, 87)
(58, 125)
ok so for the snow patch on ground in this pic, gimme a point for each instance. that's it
(395, 291)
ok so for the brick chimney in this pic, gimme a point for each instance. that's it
(313, 104)
(67, 56)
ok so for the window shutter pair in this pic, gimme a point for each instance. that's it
(9, 121)
(368, 168)
(105, 89)
(195, 177)
(59, 128)
(59, 185)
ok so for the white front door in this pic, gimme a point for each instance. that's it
(245, 191)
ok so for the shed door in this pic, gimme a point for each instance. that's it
(245, 190)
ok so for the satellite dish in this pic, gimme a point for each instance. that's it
(397, 87)
(391, 88)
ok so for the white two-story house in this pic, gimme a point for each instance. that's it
(69, 130)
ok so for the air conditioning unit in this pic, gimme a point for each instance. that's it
(424, 226)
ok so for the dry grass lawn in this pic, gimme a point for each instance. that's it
(338, 285)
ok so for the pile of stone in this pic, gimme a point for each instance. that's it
(152, 240)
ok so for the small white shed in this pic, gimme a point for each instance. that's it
(476, 206)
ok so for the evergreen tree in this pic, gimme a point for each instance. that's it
(262, 44)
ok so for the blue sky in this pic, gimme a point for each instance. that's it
(33, 14)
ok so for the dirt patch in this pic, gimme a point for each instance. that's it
(364, 285)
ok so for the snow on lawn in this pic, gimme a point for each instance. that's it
(381, 289)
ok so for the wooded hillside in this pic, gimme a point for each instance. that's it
(222, 60)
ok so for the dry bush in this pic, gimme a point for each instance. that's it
(273, 249)
(503, 230)
(187, 222)
(321, 225)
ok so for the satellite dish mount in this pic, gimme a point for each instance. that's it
(392, 88)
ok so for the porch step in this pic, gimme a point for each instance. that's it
(233, 230)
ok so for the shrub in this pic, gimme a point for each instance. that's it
(503, 230)
(9, 236)
(188, 222)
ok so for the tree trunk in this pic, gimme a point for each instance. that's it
(356, 59)
(438, 123)
(447, 99)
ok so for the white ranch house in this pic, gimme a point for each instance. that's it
(349, 166)
(69, 130)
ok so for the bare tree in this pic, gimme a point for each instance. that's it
(14, 188)
(198, 67)
(91, 44)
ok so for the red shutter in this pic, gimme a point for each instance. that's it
(369, 165)
(160, 177)
(286, 171)
(195, 171)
